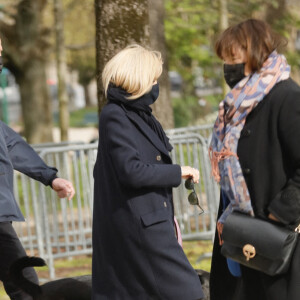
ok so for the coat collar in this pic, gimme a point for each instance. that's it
(148, 132)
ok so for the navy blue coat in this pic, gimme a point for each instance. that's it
(135, 251)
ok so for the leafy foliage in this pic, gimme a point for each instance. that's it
(80, 36)
(191, 29)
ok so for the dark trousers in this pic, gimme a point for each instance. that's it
(10, 250)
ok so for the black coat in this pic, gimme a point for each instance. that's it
(269, 154)
(135, 251)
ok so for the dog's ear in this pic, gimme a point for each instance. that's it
(27, 261)
(34, 261)
(17, 277)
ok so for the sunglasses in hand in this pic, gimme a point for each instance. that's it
(193, 198)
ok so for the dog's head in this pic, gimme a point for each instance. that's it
(74, 288)
(17, 277)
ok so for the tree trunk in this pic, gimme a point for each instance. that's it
(162, 108)
(118, 24)
(26, 45)
(222, 26)
(87, 95)
(36, 113)
(61, 70)
(123, 22)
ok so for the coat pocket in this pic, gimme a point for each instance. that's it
(155, 217)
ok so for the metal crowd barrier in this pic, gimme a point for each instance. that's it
(204, 130)
(27, 194)
(39, 147)
(191, 150)
(57, 228)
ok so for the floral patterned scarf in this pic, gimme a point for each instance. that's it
(233, 111)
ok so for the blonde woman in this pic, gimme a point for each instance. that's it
(135, 251)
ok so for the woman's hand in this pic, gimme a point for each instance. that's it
(189, 172)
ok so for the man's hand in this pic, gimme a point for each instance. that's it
(63, 188)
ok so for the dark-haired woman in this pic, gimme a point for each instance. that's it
(256, 155)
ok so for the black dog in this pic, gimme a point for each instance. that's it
(74, 288)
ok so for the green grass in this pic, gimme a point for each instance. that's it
(3, 295)
(194, 250)
(87, 116)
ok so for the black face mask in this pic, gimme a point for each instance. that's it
(154, 92)
(234, 73)
(1, 64)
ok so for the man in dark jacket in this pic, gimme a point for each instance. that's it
(16, 154)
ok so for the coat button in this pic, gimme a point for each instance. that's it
(158, 158)
(246, 132)
(246, 171)
(165, 204)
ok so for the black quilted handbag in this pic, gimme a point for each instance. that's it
(258, 244)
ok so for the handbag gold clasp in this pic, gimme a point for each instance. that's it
(249, 251)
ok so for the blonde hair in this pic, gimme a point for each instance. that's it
(134, 69)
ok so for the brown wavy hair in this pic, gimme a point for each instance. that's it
(255, 37)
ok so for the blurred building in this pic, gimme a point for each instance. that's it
(10, 101)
